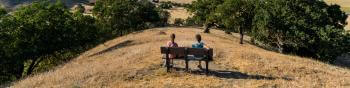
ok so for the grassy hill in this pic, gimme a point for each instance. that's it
(134, 61)
(11, 4)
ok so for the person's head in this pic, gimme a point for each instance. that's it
(172, 37)
(198, 37)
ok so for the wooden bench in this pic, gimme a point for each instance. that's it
(185, 53)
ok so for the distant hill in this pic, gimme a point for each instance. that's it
(12, 4)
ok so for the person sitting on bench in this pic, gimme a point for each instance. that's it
(199, 44)
(171, 43)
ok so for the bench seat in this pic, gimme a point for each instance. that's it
(189, 57)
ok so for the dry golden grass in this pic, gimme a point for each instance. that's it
(133, 61)
(347, 27)
(178, 12)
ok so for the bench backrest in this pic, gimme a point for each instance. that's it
(185, 50)
(173, 50)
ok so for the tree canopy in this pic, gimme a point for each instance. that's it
(124, 16)
(44, 33)
(310, 28)
(204, 12)
(303, 27)
(38, 30)
(236, 15)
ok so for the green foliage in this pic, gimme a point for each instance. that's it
(164, 17)
(190, 22)
(120, 17)
(10, 68)
(236, 15)
(39, 36)
(204, 11)
(308, 28)
(80, 8)
(2, 11)
(34, 34)
(166, 5)
(179, 22)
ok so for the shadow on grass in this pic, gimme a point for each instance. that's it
(117, 46)
(231, 74)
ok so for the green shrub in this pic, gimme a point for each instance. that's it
(80, 8)
(164, 17)
(190, 22)
(178, 22)
(2, 11)
(166, 5)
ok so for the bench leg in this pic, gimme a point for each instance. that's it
(186, 62)
(206, 66)
(167, 64)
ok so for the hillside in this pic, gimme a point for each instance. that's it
(11, 4)
(134, 61)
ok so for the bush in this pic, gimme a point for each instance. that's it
(166, 5)
(190, 22)
(2, 11)
(178, 22)
(164, 17)
(236, 15)
(79, 8)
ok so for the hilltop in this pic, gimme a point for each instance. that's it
(134, 61)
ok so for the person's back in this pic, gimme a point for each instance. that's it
(172, 43)
(199, 44)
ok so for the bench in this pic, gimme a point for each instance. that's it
(185, 53)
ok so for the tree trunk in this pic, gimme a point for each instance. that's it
(227, 32)
(33, 65)
(280, 45)
(20, 71)
(242, 35)
(207, 27)
(280, 48)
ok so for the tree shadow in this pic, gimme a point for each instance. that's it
(231, 74)
(117, 46)
(342, 61)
